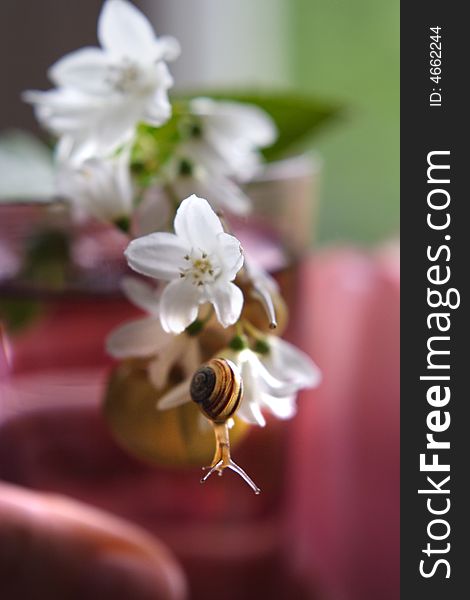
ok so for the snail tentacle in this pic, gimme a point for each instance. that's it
(234, 467)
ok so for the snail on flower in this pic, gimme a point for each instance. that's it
(214, 304)
(217, 389)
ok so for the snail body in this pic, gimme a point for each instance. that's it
(217, 389)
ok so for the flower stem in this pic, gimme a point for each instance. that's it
(253, 331)
(198, 325)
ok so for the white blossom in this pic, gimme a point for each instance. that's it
(102, 93)
(287, 363)
(145, 338)
(262, 281)
(226, 137)
(199, 261)
(261, 390)
(264, 289)
(98, 187)
(271, 381)
(221, 192)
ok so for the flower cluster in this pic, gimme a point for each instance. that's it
(200, 261)
(107, 103)
(101, 97)
(223, 143)
(102, 93)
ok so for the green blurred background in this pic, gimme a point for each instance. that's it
(349, 50)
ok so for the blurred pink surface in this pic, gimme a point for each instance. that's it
(344, 477)
(328, 517)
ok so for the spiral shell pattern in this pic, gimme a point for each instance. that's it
(217, 388)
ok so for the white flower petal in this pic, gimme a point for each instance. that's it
(179, 305)
(159, 369)
(237, 120)
(183, 351)
(249, 409)
(254, 124)
(274, 385)
(219, 191)
(241, 160)
(232, 134)
(230, 254)
(291, 364)
(125, 32)
(251, 413)
(227, 300)
(159, 255)
(202, 153)
(93, 125)
(223, 192)
(141, 294)
(74, 150)
(114, 123)
(153, 213)
(84, 69)
(158, 109)
(104, 93)
(197, 223)
(191, 357)
(169, 47)
(176, 397)
(101, 188)
(282, 408)
(260, 278)
(258, 386)
(122, 176)
(63, 110)
(143, 337)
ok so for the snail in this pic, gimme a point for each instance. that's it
(217, 388)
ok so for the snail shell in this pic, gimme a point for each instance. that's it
(217, 388)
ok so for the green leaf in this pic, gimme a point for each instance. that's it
(298, 118)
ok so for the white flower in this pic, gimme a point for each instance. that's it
(261, 390)
(146, 338)
(262, 281)
(102, 93)
(265, 289)
(289, 364)
(221, 192)
(101, 188)
(200, 261)
(227, 136)
(271, 381)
